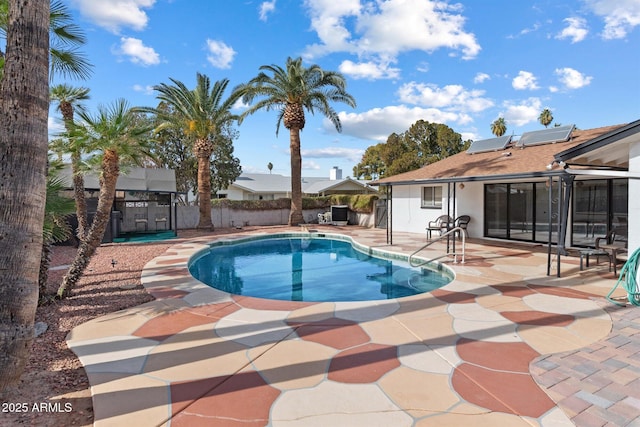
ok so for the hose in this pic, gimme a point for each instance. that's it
(628, 278)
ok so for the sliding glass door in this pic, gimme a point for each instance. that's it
(520, 211)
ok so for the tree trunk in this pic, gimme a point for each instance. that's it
(43, 276)
(204, 191)
(24, 106)
(88, 246)
(295, 217)
(78, 195)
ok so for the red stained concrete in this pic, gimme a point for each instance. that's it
(364, 364)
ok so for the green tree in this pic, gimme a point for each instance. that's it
(120, 138)
(270, 167)
(199, 114)
(68, 98)
(499, 126)
(225, 167)
(290, 91)
(545, 118)
(371, 166)
(24, 98)
(423, 143)
(65, 37)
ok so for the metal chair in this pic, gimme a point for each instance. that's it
(161, 218)
(443, 222)
(462, 221)
(141, 219)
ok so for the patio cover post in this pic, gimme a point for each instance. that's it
(549, 220)
(565, 186)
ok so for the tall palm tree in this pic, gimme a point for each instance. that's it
(69, 98)
(120, 138)
(24, 97)
(499, 126)
(291, 90)
(201, 114)
(65, 40)
(545, 118)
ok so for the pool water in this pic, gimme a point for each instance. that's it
(310, 269)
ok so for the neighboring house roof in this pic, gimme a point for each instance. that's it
(335, 185)
(273, 183)
(513, 162)
(268, 183)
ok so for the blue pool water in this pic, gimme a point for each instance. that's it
(310, 269)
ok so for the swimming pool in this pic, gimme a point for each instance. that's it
(318, 268)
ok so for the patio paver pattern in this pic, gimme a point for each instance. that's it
(501, 345)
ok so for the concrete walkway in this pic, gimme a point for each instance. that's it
(501, 345)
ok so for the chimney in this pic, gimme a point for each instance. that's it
(335, 174)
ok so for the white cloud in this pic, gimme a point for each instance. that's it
(137, 52)
(525, 112)
(525, 80)
(115, 14)
(620, 16)
(220, 55)
(266, 8)
(368, 70)
(378, 123)
(55, 126)
(572, 79)
(481, 78)
(310, 165)
(352, 154)
(147, 90)
(448, 97)
(379, 29)
(576, 30)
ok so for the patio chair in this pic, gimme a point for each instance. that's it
(161, 218)
(141, 219)
(615, 244)
(462, 221)
(443, 222)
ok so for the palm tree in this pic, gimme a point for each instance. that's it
(56, 228)
(545, 118)
(65, 40)
(201, 114)
(120, 138)
(24, 96)
(291, 90)
(69, 98)
(499, 127)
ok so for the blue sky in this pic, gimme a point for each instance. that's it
(462, 63)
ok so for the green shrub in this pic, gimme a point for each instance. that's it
(362, 203)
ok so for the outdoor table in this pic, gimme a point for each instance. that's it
(586, 253)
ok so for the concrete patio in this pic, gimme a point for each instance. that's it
(503, 344)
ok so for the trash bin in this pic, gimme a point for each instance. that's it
(339, 214)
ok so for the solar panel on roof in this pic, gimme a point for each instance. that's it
(491, 144)
(545, 136)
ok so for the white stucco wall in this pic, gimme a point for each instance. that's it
(408, 215)
(634, 201)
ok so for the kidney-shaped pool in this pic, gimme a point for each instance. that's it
(318, 268)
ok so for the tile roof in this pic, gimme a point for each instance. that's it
(527, 161)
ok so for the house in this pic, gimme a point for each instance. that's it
(259, 186)
(560, 186)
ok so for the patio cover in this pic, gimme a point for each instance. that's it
(131, 179)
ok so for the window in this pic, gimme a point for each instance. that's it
(431, 197)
